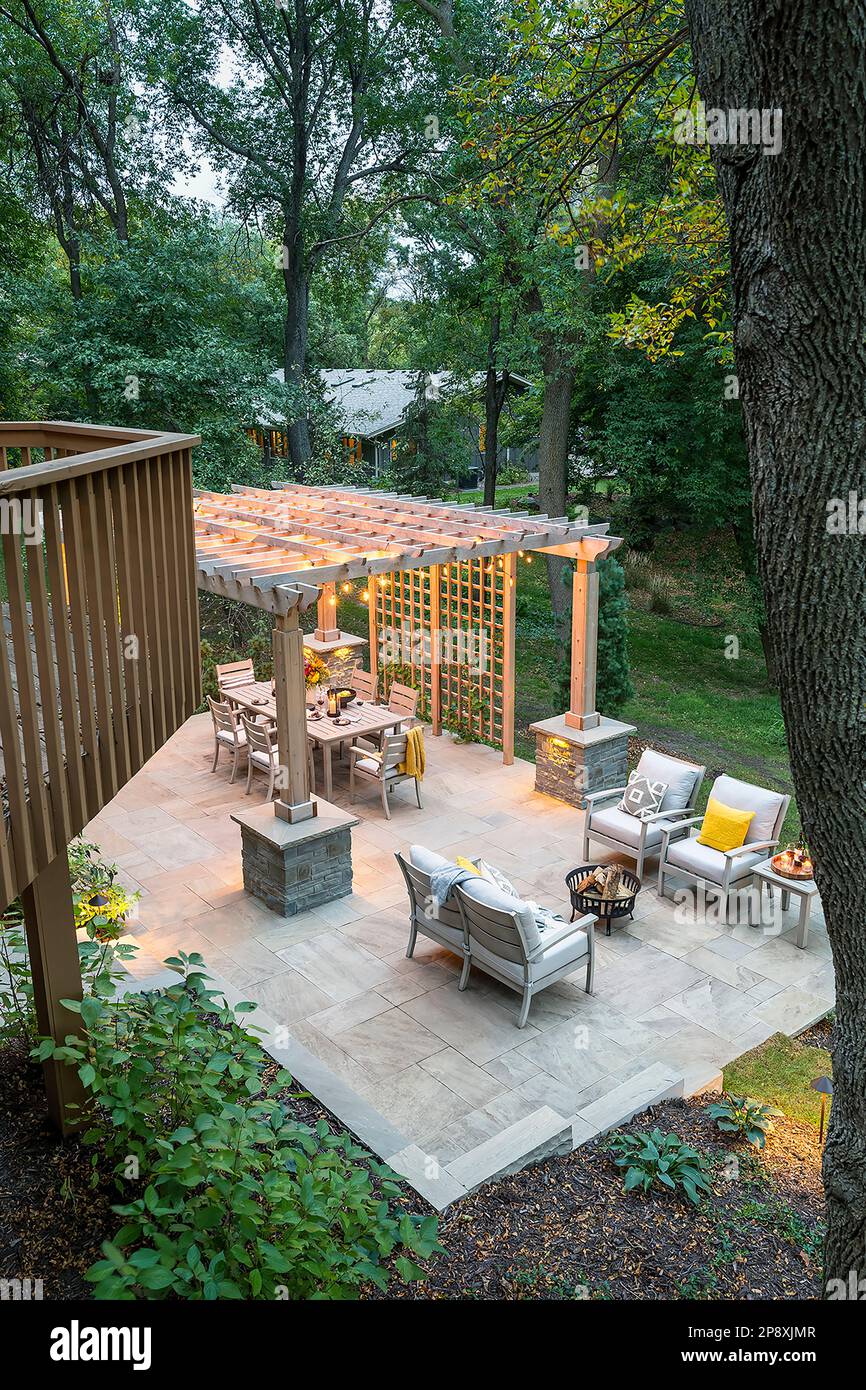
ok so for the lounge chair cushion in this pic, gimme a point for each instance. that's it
(744, 797)
(574, 948)
(492, 896)
(709, 863)
(619, 825)
(678, 777)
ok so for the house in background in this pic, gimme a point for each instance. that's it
(373, 405)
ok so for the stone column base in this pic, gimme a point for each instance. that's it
(570, 763)
(340, 654)
(291, 867)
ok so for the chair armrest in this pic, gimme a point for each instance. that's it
(553, 938)
(359, 752)
(603, 796)
(670, 815)
(750, 849)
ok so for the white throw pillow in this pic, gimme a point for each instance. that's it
(642, 798)
(496, 877)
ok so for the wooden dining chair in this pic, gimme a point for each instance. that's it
(233, 673)
(403, 700)
(381, 765)
(364, 684)
(227, 733)
(264, 754)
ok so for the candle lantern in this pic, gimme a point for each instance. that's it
(333, 702)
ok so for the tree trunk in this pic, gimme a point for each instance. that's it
(559, 376)
(297, 288)
(798, 254)
(495, 391)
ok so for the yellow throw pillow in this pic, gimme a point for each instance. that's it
(723, 827)
(467, 864)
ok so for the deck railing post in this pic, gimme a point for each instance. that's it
(293, 801)
(49, 920)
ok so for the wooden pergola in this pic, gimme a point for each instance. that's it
(284, 549)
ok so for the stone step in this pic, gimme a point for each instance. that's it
(657, 1082)
(536, 1136)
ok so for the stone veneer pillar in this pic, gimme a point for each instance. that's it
(340, 654)
(293, 866)
(570, 763)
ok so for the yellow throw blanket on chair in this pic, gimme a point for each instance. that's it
(415, 759)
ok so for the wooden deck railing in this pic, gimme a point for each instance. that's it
(99, 662)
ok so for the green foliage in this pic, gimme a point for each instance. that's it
(662, 1159)
(780, 1072)
(741, 1115)
(228, 1196)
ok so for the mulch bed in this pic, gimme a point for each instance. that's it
(821, 1034)
(562, 1229)
(565, 1228)
(52, 1222)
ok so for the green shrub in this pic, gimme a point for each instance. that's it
(741, 1115)
(233, 1197)
(100, 960)
(664, 1159)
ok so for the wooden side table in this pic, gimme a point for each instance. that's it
(804, 888)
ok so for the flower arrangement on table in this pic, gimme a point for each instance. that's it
(315, 670)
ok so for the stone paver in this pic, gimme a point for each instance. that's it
(395, 1049)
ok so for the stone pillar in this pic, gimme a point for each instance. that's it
(291, 867)
(570, 763)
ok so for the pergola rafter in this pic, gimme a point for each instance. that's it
(264, 539)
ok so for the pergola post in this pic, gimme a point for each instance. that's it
(582, 713)
(509, 612)
(293, 802)
(582, 751)
(49, 921)
(326, 615)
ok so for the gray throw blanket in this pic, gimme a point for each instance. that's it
(443, 882)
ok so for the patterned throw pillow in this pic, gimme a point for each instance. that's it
(496, 877)
(642, 798)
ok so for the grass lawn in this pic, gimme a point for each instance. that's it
(780, 1072)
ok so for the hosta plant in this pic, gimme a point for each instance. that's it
(743, 1116)
(225, 1194)
(663, 1159)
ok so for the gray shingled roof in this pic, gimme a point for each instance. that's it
(374, 402)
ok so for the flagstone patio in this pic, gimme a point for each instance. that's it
(443, 1084)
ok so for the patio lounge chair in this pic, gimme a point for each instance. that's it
(724, 872)
(444, 924)
(505, 942)
(633, 837)
(227, 733)
(380, 765)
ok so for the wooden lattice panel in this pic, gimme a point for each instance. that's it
(448, 631)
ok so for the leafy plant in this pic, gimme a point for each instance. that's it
(100, 958)
(741, 1115)
(227, 1194)
(654, 1157)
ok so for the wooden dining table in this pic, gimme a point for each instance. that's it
(364, 718)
